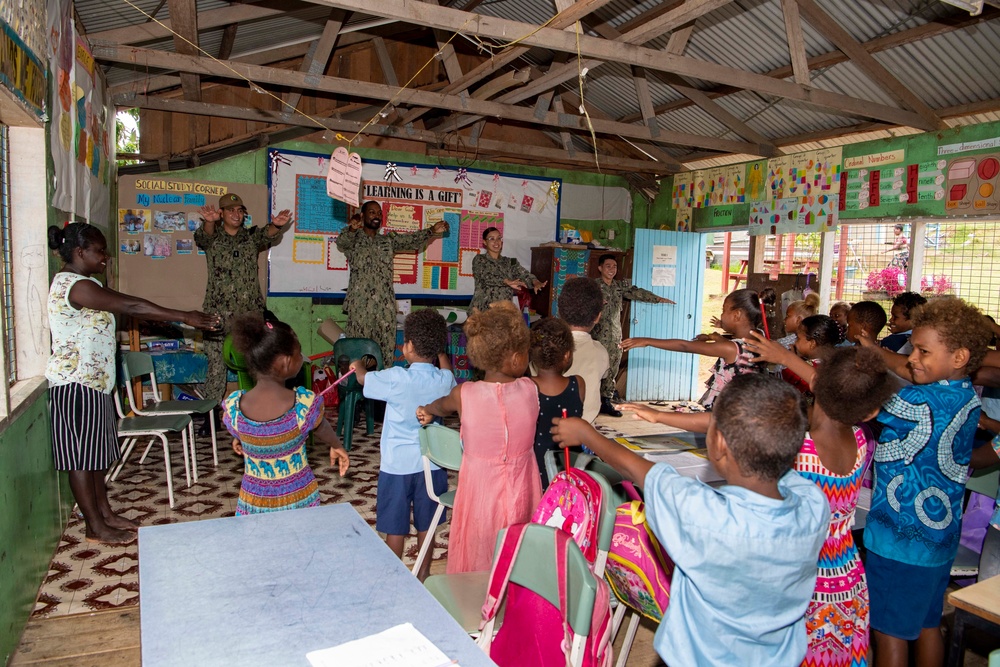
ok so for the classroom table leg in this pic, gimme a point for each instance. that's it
(956, 651)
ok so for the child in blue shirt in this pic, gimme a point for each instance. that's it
(921, 466)
(745, 553)
(900, 326)
(400, 478)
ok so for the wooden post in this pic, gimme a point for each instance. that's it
(842, 262)
(725, 262)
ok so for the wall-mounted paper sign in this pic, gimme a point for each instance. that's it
(664, 254)
(343, 180)
(664, 276)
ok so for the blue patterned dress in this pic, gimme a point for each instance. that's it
(276, 474)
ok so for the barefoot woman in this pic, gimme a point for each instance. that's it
(81, 372)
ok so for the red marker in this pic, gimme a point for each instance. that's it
(565, 449)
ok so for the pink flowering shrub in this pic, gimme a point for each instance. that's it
(891, 280)
(936, 285)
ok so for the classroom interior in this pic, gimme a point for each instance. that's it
(771, 143)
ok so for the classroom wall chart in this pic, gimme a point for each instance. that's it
(413, 196)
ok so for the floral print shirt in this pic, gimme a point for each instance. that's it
(83, 341)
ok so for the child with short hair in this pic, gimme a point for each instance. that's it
(921, 466)
(850, 387)
(271, 423)
(815, 339)
(401, 486)
(551, 355)
(741, 314)
(900, 326)
(744, 553)
(865, 318)
(580, 304)
(794, 314)
(498, 483)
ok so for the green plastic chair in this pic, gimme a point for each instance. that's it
(136, 365)
(234, 361)
(351, 391)
(441, 446)
(463, 594)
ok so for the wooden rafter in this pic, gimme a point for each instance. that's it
(318, 56)
(796, 44)
(267, 76)
(835, 57)
(184, 17)
(830, 29)
(213, 18)
(485, 146)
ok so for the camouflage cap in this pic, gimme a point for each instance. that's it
(227, 201)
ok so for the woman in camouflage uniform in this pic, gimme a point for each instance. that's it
(233, 287)
(608, 331)
(371, 302)
(498, 277)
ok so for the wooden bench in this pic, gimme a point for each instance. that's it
(741, 275)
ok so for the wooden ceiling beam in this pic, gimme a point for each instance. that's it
(843, 40)
(318, 56)
(685, 13)
(269, 76)
(433, 16)
(184, 18)
(228, 41)
(796, 43)
(484, 146)
(213, 18)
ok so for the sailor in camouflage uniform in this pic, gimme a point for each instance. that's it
(371, 302)
(233, 285)
(608, 331)
(498, 277)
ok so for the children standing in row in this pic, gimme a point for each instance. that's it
(745, 553)
(580, 304)
(401, 486)
(271, 423)
(741, 314)
(558, 394)
(498, 484)
(921, 466)
(900, 326)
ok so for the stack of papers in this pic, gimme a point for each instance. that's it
(399, 646)
(693, 463)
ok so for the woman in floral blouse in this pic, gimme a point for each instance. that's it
(497, 278)
(81, 372)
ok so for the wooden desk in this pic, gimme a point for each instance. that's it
(977, 606)
(267, 589)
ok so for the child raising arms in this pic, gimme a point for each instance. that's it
(498, 483)
(921, 467)
(551, 355)
(850, 387)
(741, 314)
(744, 553)
(271, 423)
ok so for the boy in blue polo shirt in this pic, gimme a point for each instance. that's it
(401, 478)
(921, 466)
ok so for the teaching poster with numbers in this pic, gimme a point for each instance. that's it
(413, 197)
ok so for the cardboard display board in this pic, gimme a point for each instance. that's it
(157, 218)
(413, 196)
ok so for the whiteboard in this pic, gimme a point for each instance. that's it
(413, 196)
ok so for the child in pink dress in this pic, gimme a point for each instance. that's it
(498, 483)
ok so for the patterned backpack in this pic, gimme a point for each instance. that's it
(535, 633)
(572, 503)
(638, 569)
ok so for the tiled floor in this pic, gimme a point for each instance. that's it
(85, 577)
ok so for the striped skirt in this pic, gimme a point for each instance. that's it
(84, 428)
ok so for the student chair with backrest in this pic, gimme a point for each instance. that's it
(462, 594)
(441, 446)
(234, 361)
(137, 365)
(355, 348)
(133, 428)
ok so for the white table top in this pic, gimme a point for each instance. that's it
(267, 589)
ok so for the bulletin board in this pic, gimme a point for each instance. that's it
(525, 209)
(157, 218)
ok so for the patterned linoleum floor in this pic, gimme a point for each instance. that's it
(85, 577)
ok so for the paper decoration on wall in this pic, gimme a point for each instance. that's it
(309, 250)
(925, 181)
(315, 212)
(391, 173)
(133, 220)
(413, 170)
(973, 184)
(462, 177)
(156, 246)
(335, 260)
(343, 180)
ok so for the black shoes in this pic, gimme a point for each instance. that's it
(608, 409)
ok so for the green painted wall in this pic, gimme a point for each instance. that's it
(31, 518)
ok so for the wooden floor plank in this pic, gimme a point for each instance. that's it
(100, 638)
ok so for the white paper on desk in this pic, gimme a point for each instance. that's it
(688, 464)
(402, 646)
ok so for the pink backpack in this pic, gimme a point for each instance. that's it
(534, 632)
(638, 569)
(572, 503)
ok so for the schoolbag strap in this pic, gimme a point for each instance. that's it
(562, 568)
(630, 490)
(503, 564)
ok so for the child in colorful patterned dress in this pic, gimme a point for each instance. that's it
(921, 466)
(742, 313)
(271, 423)
(815, 339)
(850, 387)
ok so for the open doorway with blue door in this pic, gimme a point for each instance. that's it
(671, 265)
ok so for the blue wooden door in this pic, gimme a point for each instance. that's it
(657, 375)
